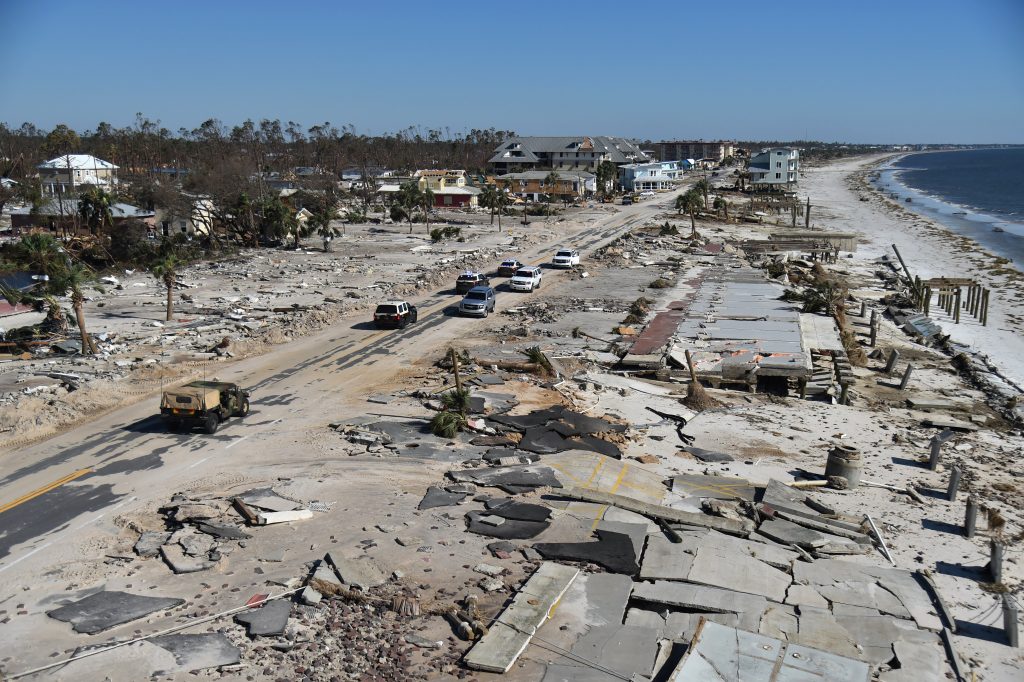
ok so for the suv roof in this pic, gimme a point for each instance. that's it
(531, 268)
(469, 274)
(480, 290)
(219, 385)
(394, 303)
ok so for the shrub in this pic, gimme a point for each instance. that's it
(661, 283)
(447, 424)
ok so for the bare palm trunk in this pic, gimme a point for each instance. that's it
(499, 221)
(725, 208)
(170, 302)
(492, 216)
(693, 225)
(88, 345)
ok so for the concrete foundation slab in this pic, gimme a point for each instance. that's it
(197, 652)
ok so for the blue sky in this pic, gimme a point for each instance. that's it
(855, 71)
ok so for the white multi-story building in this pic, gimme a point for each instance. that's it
(68, 173)
(651, 176)
(775, 168)
(581, 153)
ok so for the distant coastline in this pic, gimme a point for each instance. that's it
(997, 228)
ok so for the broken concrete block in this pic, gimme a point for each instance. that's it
(614, 551)
(748, 607)
(149, 542)
(223, 531)
(269, 619)
(491, 584)
(805, 595)
(107, 609)
(195, 512)
(409, 540)
(179, 562)
(734, 570)
(666, 560)
(489, 570)
(310, 597)
(439, 497)
(360, 572)
(422, 642)
(270, 518)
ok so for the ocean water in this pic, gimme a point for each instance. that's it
(978, 193)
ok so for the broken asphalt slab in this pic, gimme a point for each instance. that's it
(439, 497)
(484, 523)
(107, 609)
(613, 551)
(512, 479)
(197, 652)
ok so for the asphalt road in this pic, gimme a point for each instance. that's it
(54, 490)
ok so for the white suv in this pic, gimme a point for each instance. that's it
(525, 279)
(566, 258)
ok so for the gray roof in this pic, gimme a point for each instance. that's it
(619, 150)
(542, 174)
(53, 208)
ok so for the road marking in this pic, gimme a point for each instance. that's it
(195, 464)
(124, 502)
(24, 556)
(229, 446)
(45, 489)
(92, 520)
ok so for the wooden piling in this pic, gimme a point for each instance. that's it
(995, 562)
(984, 307)
(807, 214)
(956, 307)
(906, 377)
(863, 308)
(891, 363)
(1010, 621)
(927, 300)
(970, 517)
(954, 484)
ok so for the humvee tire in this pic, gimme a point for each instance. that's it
(211, 423)
(244, 410)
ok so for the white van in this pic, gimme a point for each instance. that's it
(525, 279)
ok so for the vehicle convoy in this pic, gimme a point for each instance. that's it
(509, 267)
(394, 314)
(203, 403)
(526, 279)
(479, 302)
(566, 258)
(470, 279)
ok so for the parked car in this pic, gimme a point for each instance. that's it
(394, 314)
(470, 279)
(648, 194)
(508, 267)
(203, 403)
(526, 279)
(627, 200)
(479, 302)
(566, 258)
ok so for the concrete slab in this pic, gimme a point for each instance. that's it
(110, 608)
(719, 653)
(606, 595)
(819, 629)
(666, 560)
(624, 649)
(361, 572)
(730, 569)
(637, 533)
(770, 553)
(805, 595)
(511, 633)
(713, 487)
(917, 662)
(747, 607)
(708, 455)
(266, 498)
(789, 533)
(222, 531)
(197, 652)
(268, 620)
(779, 621)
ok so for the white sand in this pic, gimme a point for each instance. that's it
(930, 250)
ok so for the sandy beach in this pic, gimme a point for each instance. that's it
(930, 250)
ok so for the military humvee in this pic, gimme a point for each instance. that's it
(203, 403)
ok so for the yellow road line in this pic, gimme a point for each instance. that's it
(615, 486)
(597, 468)
(45, 489)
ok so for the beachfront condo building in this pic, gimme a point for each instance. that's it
(712, 152)
(775, 168)
(518, 154)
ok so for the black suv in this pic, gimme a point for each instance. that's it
(468, 280)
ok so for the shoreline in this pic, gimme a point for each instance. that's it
(847, 200)
(1001, 235)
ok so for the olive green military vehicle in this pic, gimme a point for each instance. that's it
(203, 403)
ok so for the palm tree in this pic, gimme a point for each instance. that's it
(721, 204)
(40, 252)
(165, 269)
(74, 277)
(551, 181)
(426, 203)
(703, 186)
(502, 201)
(489, 199)
(94, 209)
(409, 199)
(691, 202)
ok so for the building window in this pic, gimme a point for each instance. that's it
(778, 176)
(778, 164)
